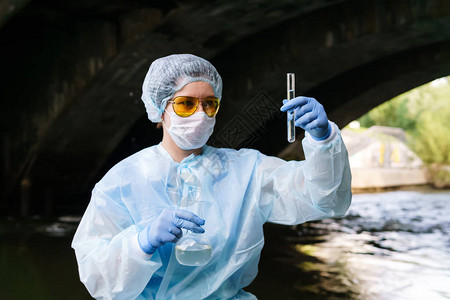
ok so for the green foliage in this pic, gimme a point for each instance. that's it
(431, 137)
(424, 113)
(394, 113)
(439, 175)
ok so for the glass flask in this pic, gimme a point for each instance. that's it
(193, 249)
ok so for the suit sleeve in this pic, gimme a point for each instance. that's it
(319, 187)
(110, 262)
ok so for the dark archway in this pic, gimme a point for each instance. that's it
(71, 82)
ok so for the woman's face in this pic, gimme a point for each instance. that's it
(198, 89)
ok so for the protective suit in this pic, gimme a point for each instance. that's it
(239, 192)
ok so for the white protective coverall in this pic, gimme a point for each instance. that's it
(239, 192)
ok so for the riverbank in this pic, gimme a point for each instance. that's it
(379, 178)
(439, 175)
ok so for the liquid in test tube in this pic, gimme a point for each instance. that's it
(290, 113)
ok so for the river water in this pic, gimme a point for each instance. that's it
(394, 245)
(390, 245)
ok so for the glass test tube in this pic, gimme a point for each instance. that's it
(290, 113)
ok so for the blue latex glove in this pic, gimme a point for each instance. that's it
(167, 229)
(310, 116)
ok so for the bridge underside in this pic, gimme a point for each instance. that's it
(72, 75)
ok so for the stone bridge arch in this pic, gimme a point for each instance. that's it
(70, 96)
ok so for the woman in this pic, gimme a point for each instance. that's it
(124, 243)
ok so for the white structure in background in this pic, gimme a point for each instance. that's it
(380, 158)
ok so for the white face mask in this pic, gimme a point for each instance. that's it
(190, 132)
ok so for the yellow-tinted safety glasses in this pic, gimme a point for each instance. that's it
(185, 106)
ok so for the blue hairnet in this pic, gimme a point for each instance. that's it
(171, 73)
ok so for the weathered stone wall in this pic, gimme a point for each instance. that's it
(10, 7)
(379, 158)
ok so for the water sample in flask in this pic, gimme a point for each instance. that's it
(290, 113)
(193, 249)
